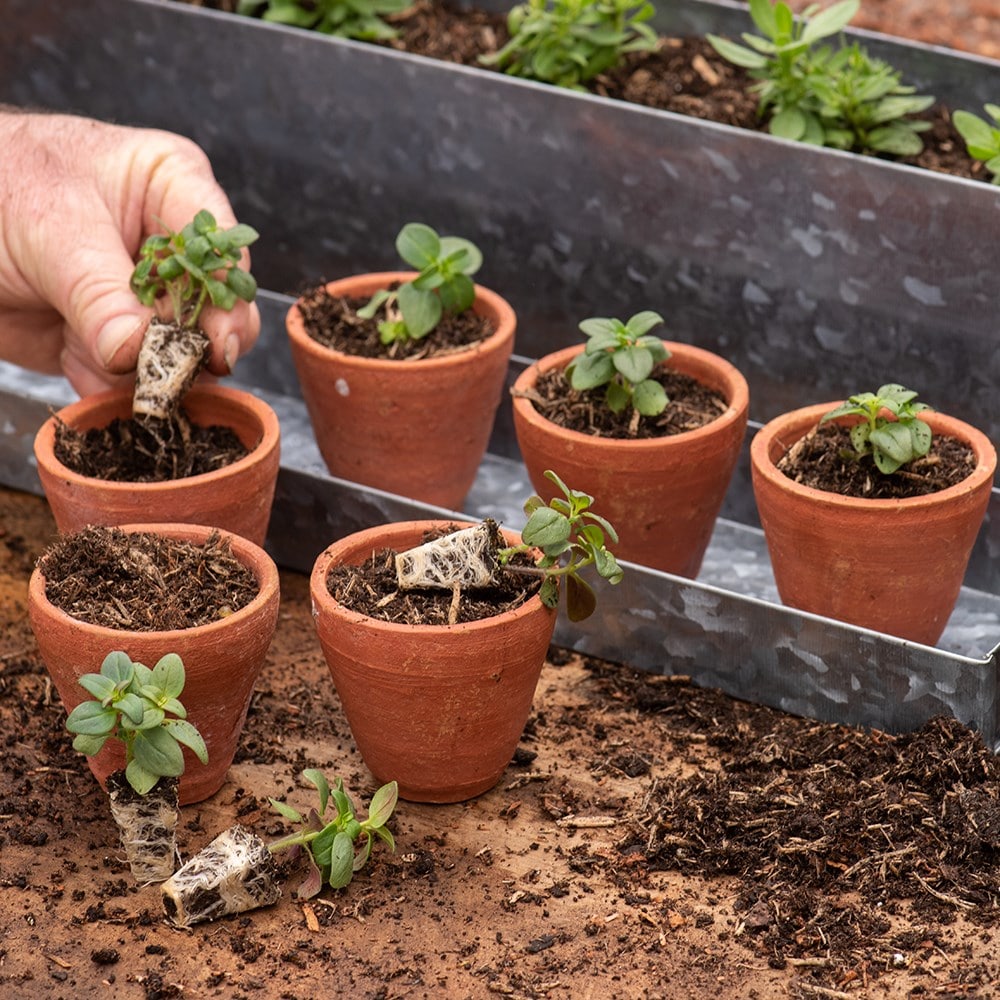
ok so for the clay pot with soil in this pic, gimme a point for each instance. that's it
(166, 451)
(402, 372)
(596, 414)
(870, 509)
(210, 598)
(435, 635)
(140, 707)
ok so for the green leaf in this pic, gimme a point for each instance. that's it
(546, 527)
(738, 55)
(921, 437)
(341, 861)
(607, 566)
(101, 687)
(549, 592)
(649, 398)
(617, 397)
(634, 363)
(830, 21)
(158, 753)
(318, 780)
(382, 804)
(473, 259)
(588, 371)
(118, 667)
(418, 245)
(168, 675)
(133, 708)
(90, 718)
(188, 735)
(642, 322)
(893, 440)
(421, 310)
(204, 222)
(287, 811)
(242, 284)
(580, 598)
(141, 779)
(241, 235)
(457, 294)
(789, 124)
(598, 326)
(88, 744)
(220, 294)
(368, 311)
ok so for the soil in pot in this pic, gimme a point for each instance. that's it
(823, 460)
(145, 582)
(332, 320)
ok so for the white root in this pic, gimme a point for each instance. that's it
(148, 827)
(234, 873)
(169, 361)
(463, 559)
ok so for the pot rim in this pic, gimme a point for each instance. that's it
(269, 440)
(382, 536)
(506, 324)
(787, 428)
(248, 553)
(735, 382)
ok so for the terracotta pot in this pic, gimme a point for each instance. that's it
(415, 428)
(663, 495)
(894, 566)
(222, 661)
(438, 708)
(236, 498)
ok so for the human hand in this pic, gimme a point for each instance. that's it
(79, 197)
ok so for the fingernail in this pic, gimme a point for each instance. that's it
(231, 351)
(116, 333)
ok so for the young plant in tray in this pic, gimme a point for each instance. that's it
(568, 534)
(892, 440)
(191, 268)
(982, 137)
(360, 19)
(414, 309)
(568, 42)
(842, 98)
(236, 872)
(621, 357)
(140, 707)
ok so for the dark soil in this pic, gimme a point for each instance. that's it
(144, 582)
(684, 75)
(825, 460)
(692, 405)
(147, 449)
(372, 589)
(333, 321)
(649, 840)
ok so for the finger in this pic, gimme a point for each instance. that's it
(232, 334)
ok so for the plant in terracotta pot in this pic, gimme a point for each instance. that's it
(236, 872)
(165, 450)
(652, 427)
(402, 372)
(209, 598)
(436, 668)
(140, 707)
(871, 507)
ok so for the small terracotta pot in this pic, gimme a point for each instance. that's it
(236, 498)
(894, 566)
(662, 495)
(222, 661)
(437, 708)
(415, 428)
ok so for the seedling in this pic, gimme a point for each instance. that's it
(621, 357)
(982, 138)
(893, 440)
(191, 268)
(415, 308)
(569, 42)
(360, 19)
(134, 704)
(236, 872)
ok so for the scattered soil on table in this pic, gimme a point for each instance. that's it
(691, 405)
(825, 460)
(144, 582)
(649, 840)
(147, 449)
(333, 321)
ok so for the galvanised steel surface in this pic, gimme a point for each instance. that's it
(817, 272)
(727, 629)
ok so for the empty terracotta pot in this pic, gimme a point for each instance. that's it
(415, 428)
(236, 498)
(437, 708)
(662, 495)
(222, 661)
(894, 566)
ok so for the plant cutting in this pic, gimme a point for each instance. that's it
(436, 672)
(845, 98)
(661, 464)
(162, 590)
(879, 476)
(402, 372)
(569, 42)
(236, 872)
(140, 707)
(125, 457)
